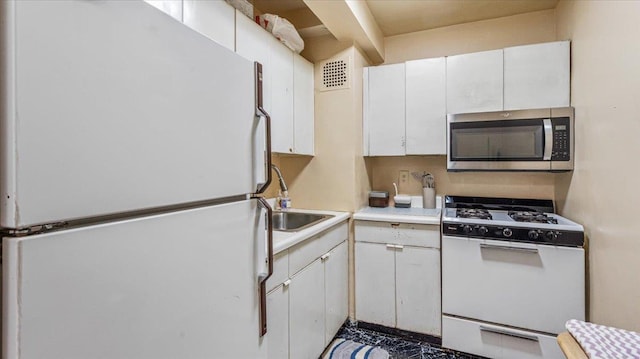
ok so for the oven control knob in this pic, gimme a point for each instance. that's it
(483, 230)
(533, 235)
(507, 232)
(551, 235)
(467, 229)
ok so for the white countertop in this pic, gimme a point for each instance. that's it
(284, 240)
(399, 215)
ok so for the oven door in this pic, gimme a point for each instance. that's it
(537, 287)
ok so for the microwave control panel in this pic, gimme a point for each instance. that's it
(561, 139)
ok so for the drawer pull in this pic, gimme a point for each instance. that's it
(325, 257)
(394, 246)
(532, 338)
(507, 248)
(286, 283)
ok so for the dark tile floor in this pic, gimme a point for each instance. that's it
(399, 347)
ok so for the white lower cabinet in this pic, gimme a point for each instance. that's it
(278, 322)
(497, 342)
(397, 282)
(418, 290)
(306, 308)
(375, 283)
(306, 312)
(336, 290)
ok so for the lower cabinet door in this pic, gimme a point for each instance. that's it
(306, 312)
(418, 290)
(278, 322)
(336, 290)
(375, 283)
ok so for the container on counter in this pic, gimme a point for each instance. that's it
(378, 199)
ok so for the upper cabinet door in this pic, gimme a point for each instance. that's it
(386, 110)
(475, 82)
(537, 76)
(214, 19)
(281, 96)
(303, 106)
(426, 112)
(254, 43)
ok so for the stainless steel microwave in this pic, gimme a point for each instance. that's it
(522, 140)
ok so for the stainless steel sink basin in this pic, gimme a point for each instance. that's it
(296, 221)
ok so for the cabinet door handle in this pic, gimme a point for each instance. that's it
(286, 283)
(532, 338)
(325, 257)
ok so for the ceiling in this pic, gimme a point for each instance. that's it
(396, 17)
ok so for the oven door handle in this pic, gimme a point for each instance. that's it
(548, 139)
(507, 248)
(532, 338)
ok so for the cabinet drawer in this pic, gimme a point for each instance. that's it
(306, 252)
(494, 341)
(280, 270)
(420, 235)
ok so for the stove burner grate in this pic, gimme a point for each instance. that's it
(474, 213)
(532, 217)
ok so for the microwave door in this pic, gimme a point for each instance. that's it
(500, 145)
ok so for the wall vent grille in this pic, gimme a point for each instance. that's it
(335, 75)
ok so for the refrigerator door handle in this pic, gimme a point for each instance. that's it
(262, 113)
(262, 277)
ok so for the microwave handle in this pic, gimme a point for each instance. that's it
(548, 139)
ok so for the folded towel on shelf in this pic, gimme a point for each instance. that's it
(348, 349)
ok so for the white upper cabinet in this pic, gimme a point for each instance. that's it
(537, 76)
(475, 82)
(254, 43)
(386, 110)
(281, 96)
(214, 19)
(303, 106)
(287, 87)
(426, 111)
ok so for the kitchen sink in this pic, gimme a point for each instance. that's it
(296, 221)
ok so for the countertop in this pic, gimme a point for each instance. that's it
(399, 215)
(284, 240)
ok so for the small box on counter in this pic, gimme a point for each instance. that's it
(378, 199)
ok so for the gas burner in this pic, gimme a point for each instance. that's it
(532, 217)
(475, 213)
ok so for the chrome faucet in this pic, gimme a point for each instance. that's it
(283, 186)
(283, 201)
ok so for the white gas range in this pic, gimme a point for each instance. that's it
(513, 272)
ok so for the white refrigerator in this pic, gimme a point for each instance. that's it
(132, 150)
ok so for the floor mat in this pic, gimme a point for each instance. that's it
(348, 349)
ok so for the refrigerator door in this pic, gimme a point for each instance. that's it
(113, 106)
(177, 285)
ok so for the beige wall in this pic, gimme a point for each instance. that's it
(515, 30)
(472, 37)
(335, 178)
(601, 192)
(493, 184)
